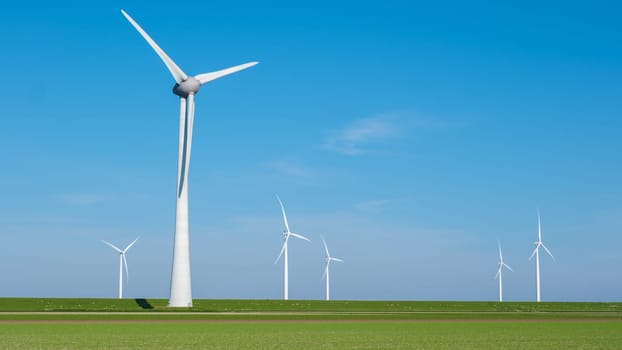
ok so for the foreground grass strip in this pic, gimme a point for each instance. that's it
(284, 335)
(202, 305)
(307, 316)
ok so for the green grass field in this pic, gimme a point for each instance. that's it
(275, 324)
(212, 305)
(317, 335)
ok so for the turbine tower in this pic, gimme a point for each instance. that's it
(500, 272)
(328, 259)
(536, 252)
(185, 87)
(122, 261)
(286, 234)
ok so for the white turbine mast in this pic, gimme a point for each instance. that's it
(122, 261)
(185, 87)
(286, 234)
(536, 252)
(326, 275)
(499, 274)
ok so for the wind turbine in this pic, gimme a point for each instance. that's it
(185, 87)
(500, 272)
(286, 234)
(122, 261)
(328, 259)
(536, 252)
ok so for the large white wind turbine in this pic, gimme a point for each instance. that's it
(536, 252)
(185, 87)
(500, 272)
(122, 261)
(328, 259)
(286, 234)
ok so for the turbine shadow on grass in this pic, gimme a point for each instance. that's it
(144, 304)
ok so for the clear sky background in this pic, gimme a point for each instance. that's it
(412, 135)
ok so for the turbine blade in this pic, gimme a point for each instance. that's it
(548, 251)
(500, 255)
(189, 127)
(207, 77)
(325, 247)
(130, 245)
(498, 273)
(336, 259)
(113, 246)
(534, 252)
(177, 73)
(539, 227)
(299, 236)
(509, 268)
(283, 211)
(282, 250)
(127, 272)
(325, 270)
(181, 171)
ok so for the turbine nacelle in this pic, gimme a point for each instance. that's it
(187, 87)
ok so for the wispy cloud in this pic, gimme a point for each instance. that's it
(382, 204)
(375, 135)
(358, 137)
(82, 199)
(372, 205)
(290, 170)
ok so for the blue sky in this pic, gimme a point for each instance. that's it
(411, 135)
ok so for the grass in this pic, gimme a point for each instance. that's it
(30, 323)
(209, 305)
(287, 335)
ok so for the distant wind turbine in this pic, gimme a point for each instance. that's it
(122, 261)
(536, 252)
(286, 234)
(328, 259)
(500, 272)
(185, 87)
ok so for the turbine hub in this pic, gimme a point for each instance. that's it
(187, 87)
